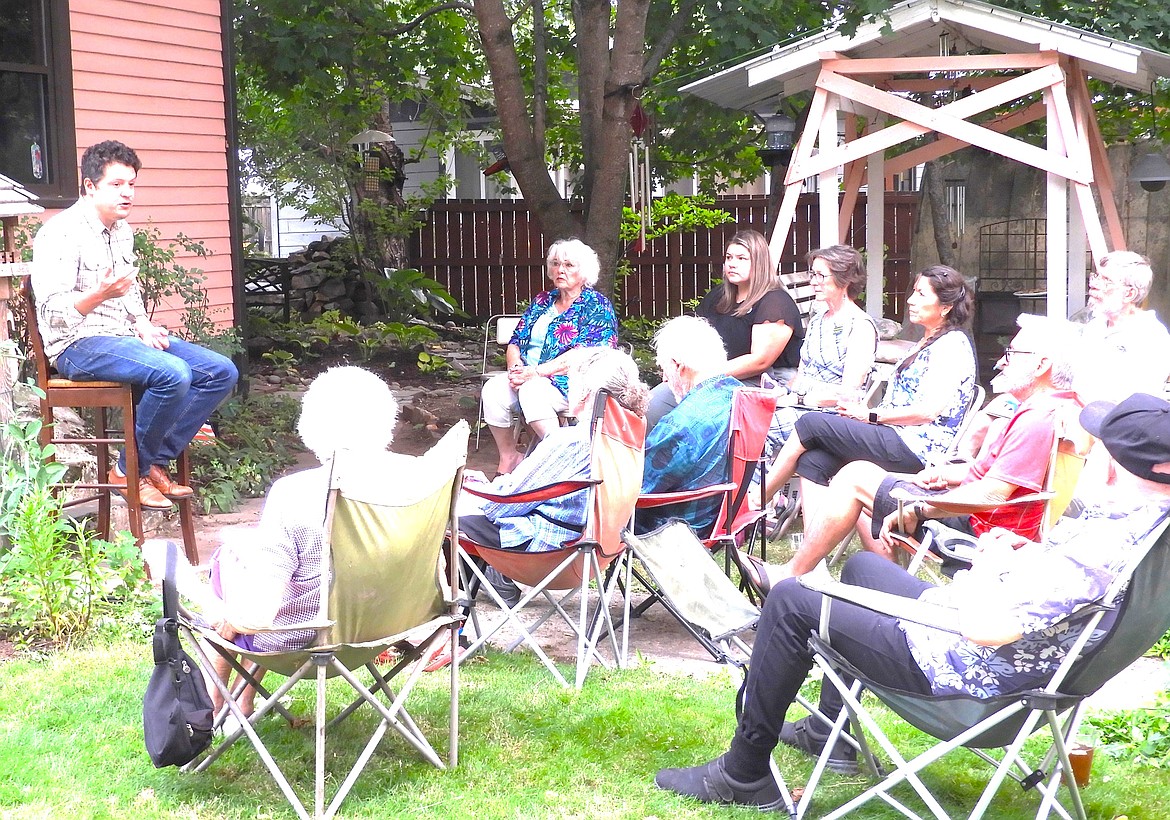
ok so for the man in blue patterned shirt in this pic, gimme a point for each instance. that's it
(1013, 612)
(687, 449)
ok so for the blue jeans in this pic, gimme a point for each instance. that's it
(176, 389)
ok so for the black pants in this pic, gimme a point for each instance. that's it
(883, 505)
(833, 441)
(781, 659)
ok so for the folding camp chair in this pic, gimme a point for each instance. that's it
(689, 583)
(386, 591)
(1133, 614)
(616, 442)
(497, 332)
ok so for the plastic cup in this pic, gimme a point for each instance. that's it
(1080, 757)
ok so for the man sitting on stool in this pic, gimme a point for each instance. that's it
(95, 327)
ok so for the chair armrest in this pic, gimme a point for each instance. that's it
(647, 500)
(197, 621)
(940, 502)
(307, 625)
(940, 617)
(555, 490)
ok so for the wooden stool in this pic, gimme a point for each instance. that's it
(101, 397)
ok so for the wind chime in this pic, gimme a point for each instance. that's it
(640, 184)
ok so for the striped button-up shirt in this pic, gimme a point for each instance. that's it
(541, 526)
(70, 252)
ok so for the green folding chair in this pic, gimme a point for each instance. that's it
(1132, 614)
(385, 566)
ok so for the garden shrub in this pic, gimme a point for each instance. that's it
(1140, 735)
(56, 578)
(254, 444)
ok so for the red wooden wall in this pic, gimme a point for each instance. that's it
(150, 73)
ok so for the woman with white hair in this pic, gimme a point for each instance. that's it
(273, 574)
(570, 315)
(562, 455)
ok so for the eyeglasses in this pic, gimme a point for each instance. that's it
(1103, 280)
(1008, 352)
(816, 276)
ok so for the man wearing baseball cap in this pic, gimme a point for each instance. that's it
(1006, 603)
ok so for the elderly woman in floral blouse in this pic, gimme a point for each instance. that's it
(570, 315)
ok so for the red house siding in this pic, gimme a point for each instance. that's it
(151, 75)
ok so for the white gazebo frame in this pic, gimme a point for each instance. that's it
(1011, 58)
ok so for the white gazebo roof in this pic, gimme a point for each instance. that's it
(914, 30)
(16, 200)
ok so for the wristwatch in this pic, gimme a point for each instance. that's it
(873, 417)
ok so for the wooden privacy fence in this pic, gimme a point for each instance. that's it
(489, 254)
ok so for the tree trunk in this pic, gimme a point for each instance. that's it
(935, 189)
(526, 157)
(608, 79)
(375, 193)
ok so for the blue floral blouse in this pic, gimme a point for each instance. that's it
(589, 322)
(944, 367)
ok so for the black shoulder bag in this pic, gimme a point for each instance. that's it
(176, 712)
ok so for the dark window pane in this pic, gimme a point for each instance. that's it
(24, 154)
(22, 34)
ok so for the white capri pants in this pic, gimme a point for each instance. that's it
(537, 400)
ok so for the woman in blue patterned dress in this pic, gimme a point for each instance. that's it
(839, 345)
(570, 315)
(929, 393)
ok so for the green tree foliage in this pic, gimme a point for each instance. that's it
(564, 78)
(312, 74)
(567, 78)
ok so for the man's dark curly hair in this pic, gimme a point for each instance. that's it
(98, 157)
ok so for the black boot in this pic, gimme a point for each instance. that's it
(802, 734)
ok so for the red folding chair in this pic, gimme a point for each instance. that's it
(737, 525)
(616, 442)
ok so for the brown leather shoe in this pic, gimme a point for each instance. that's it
(148, 496)
(166, 485)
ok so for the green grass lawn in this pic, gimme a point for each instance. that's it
(71, 747)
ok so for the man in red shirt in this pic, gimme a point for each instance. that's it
(1036, 371)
